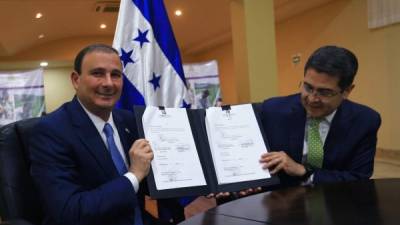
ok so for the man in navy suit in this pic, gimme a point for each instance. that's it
(347, 131)
(87, 173)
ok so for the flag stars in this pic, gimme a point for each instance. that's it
(155, 81)
(126, 57)
(142, 37)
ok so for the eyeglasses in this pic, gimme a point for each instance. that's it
(320, 92)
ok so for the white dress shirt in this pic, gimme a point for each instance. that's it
(99, 124)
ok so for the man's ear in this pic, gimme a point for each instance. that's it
(347, 91)
(75, 79)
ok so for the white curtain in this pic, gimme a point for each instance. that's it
(383, 13)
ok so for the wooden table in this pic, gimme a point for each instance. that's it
(351, 203)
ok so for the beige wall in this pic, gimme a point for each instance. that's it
(254, 49)
(344, 23)
(57, 87)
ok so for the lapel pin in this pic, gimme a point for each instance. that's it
(127, 131)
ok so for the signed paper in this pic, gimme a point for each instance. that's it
(176, 163)
(236, 144)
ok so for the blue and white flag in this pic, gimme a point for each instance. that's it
(150, 56)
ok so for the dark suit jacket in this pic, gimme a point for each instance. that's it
(74, 171)
(349, 148)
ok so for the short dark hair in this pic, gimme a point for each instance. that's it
(334, 61)
(88, 49)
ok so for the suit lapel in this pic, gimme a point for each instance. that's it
(297, 121)
(124, 134)
(338, 131)
(91, 138)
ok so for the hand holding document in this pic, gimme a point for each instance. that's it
(197, 152)
(176, 163)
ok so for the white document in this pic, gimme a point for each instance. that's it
(176, 163)
(236, 144)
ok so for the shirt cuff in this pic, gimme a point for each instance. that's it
(309, 181)
(132, 178)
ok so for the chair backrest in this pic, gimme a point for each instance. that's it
(19, 198)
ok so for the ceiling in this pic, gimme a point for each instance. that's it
(204, 23)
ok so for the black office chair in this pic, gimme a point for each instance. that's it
(19, 201)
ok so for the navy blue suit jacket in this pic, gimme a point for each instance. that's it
(74, 171)
(349, 148)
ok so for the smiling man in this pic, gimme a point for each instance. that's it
(319, 135)
(86, 158)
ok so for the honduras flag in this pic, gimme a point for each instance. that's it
(149, 55)
(153, 73)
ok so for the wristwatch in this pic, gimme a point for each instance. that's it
(309, 171)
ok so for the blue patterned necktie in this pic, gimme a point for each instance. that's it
(119, 164)
(315, 154)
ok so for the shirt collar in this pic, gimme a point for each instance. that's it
(97, 121)
(328, 119)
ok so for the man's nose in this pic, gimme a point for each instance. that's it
(314, 96)
(107, 81)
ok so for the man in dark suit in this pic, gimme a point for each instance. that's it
(87, 160)
(319, 135)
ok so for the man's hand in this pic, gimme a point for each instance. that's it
(249, 191)
(140, 155)
(218, 195)
(277, 161)
(241, 193)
